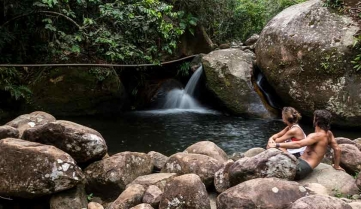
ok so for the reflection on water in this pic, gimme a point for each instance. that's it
(171, 131)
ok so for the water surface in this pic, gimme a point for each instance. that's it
(171, 131)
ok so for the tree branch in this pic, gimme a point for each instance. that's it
(42, 12)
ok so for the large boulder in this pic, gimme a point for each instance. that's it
(261, 193)
(305, 52)
(270, 163)
(335, 181)
(79, 91)
(208, 148)
(319, 202)
(108, 178)
(29, 169)
(183, 163)
(228, 76)
(350, 158)
(82, 143)
(30, 120)
(186, 191)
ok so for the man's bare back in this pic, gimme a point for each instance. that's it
(314, 153)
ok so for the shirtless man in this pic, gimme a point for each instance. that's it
(316, 145)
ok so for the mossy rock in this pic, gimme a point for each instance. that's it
(229, 78)
(78, 91)
(305, 52)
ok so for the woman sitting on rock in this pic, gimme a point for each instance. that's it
(293, 132)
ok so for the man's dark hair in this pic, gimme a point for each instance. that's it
(322, 119)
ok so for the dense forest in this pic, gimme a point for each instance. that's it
(122, 32)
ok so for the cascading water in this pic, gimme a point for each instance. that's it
(183, 98)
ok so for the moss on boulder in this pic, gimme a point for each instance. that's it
(306, 52)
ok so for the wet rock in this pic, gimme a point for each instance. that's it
(204, 166)
(74, 198)
(142, 206)
(130, 197)
(8, 132)
(31, 120)
(208, 148)
(253, 152)
(252, 40)
(186, 191)
(160, 91)
(84, 91)
(261, 193)
(152, 196)
(316, 189)
(305, 52)
(335, 181)
(319, 202)
(221, 177)
(82, 143)
(157, 179)
(158, 159)
(270, 163)
(95, 205)
(29, 169)
(228, 76)
(109, 177)
(350, 158)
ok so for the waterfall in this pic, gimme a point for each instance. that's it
(267, 90)
(183, 98)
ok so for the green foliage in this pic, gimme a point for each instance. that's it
(184, 69)
(9, 81)
(100, 73)
(335, 4)
(118, 31)
(90, 197)
(227, 20)
(357, 60)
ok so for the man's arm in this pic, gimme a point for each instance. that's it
(336, 151)
(309, 140)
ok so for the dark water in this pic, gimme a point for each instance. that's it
(173, 131)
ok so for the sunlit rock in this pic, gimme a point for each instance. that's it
(186, 191)
(261, 193)
(270, 163)
(183, 163)
(108, 178)
(29, 169)
(34, 119)
(319, 201)
(82, 143)
(208, 148)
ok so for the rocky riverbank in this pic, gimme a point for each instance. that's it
(65, 165)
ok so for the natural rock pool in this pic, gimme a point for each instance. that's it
(173, 131)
